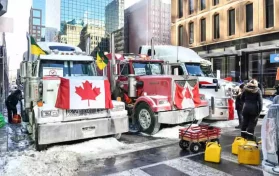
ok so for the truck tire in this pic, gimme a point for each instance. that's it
(38, 147)
(148, 122)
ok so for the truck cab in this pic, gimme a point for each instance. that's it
(218, 94)
(149, 94)
(42, 76)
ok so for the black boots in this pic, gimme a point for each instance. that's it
(248, 136)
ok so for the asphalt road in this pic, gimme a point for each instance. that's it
(163, 157)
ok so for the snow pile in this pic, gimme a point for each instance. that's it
(172, 133)
(49, 163)
(56, 161)
(92, 146)
(225, 124)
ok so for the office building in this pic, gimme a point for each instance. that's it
(145, 20)
(4, 73)
(37, 20)
(240, 37)
(93, 18)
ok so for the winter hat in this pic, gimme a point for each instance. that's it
(253, 83)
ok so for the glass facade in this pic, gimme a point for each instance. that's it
(259, 67)
(227, 66)
(96, 19)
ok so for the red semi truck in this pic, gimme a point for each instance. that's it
(152, 98)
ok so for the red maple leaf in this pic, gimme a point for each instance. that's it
(87, 92)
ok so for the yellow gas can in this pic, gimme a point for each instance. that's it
(213, 152)
(249, 154)
(237, 142)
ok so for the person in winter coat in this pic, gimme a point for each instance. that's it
(253, 102)
(11, 103)
(239, 105)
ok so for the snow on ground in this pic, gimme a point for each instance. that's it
(172, 133)
(92, 146)
(41, 163)
(225, 124)
(56, 161)
(169, 132)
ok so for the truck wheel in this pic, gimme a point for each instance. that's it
(38, 147)
(148, 122)
(195, 147)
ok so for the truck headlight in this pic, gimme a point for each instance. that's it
(53, 113)
(202, 96)
(163, 102)
(118, 107)
(221, 102)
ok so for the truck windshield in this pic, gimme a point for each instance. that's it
(142, 68)
(207, 71)
(65, 68)
(194, 69)
(81, 68)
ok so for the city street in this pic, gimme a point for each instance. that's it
(136, 155)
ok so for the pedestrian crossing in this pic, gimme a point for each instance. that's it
(194, 165)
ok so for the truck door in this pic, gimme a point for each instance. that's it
(123, 76)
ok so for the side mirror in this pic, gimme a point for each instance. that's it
(215, 81)
(25, 70)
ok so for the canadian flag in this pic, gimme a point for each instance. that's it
(86, 93)
(187, 96)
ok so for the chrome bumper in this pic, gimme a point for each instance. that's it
(183, 116)
(269, 170)
(75, 130)
(221, 113)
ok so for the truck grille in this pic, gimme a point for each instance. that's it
(83, 112)
(192, 82)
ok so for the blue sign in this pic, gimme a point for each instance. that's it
(274, 58)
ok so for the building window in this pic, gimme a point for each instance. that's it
(203, 5)
(215, 2)
(203, 30)
(191, 7)
(191, 33)
(269, 13)
(249, 17)
(180, 35)
(180, 8)
(216, 27)
(231, 22)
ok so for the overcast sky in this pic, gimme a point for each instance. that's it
(19, 10)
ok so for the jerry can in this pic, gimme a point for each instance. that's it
(16, 119)
(237, 142)
(213, 152)
(249, 154)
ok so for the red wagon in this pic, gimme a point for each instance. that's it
(196, 137)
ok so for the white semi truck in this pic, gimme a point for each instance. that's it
(217, 91)
(41, 76)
